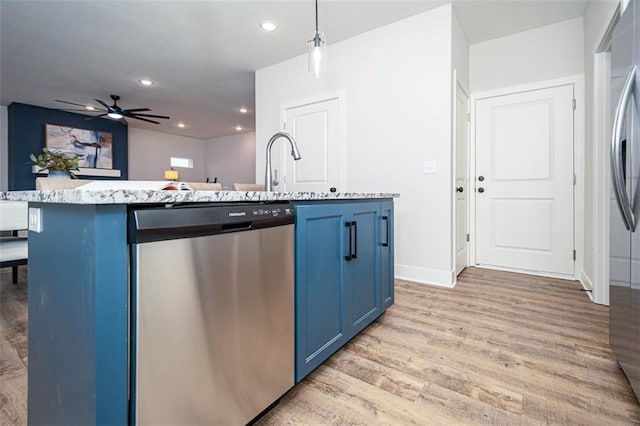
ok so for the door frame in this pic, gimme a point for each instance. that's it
(601, 177)
(577, 81)
(457, 86)
(601, 115)
(340, 96)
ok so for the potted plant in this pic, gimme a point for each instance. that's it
(57, 163)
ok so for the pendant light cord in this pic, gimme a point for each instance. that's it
(316, 16)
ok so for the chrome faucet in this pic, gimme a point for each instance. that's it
(268, 174)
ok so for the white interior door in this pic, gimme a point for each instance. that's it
(525, 181)
(314, 126)
(462, 179)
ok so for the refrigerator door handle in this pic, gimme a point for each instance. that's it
(616, 153)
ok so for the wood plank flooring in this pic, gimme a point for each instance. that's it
(13, 348)
(499, 348)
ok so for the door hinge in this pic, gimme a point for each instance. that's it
(468, 116)
(467, 237)
(574, 255)
(574, 104)
(574, 179)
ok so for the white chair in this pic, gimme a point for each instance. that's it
(13, 249)
(248, 187)
(205, 186)
(51, 184)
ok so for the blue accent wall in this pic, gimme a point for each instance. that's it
(27, 135)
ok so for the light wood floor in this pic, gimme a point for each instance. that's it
(500, 348)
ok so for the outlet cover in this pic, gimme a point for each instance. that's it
(430, 167)
(35, 219)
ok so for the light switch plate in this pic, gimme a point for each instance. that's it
(35, 219)
(429, 167)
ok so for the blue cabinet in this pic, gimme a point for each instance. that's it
(344, 275)
(361, 272)
(319, 274)
(386, 253)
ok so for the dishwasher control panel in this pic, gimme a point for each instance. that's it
(148, 224)
(269, 211)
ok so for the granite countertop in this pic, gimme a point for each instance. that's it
(128, 196)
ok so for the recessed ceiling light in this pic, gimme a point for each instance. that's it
(145, 82)
(238, 128)
(268, 26)
(181, 125)
(90, 108)
(243, 110)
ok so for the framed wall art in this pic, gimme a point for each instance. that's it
(92, 147)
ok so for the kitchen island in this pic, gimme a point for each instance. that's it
(80, 320)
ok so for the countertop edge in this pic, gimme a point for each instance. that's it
(125, 196)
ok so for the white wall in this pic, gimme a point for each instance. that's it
(545, 53)
(397, 85)
(460, 53)
(232, 159)
(4, 149)
(150, 153)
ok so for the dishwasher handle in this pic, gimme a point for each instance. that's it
(234, 227)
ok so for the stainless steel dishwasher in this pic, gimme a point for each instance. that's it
(213, 312)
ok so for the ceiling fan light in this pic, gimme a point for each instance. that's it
(268, 26)
(114, 115)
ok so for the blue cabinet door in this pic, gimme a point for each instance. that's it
(386, 253)
(344, 275)
(361, 275)
(321, 326)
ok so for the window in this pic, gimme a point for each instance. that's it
(182, 162)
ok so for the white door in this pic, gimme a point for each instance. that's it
(462, 179)
(314, 127)
(524, 181)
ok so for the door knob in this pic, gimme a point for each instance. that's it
(481, 190)
(481, 178)
(460, 189)
(332, 189)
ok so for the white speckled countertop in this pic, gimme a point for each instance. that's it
(124, 196)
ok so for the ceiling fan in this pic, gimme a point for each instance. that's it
(116, 112)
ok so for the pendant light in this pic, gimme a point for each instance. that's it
(317, 51)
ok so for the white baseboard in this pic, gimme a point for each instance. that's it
(586, 283)
(428, 276)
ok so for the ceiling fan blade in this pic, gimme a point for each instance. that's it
(70, 103)
(107, 107)
(136, 109)
(96, 116)
(83, 110)
(143, 119)
(150, 115)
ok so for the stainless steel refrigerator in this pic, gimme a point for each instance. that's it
(624, 252)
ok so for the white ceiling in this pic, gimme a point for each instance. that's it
(201, 55)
